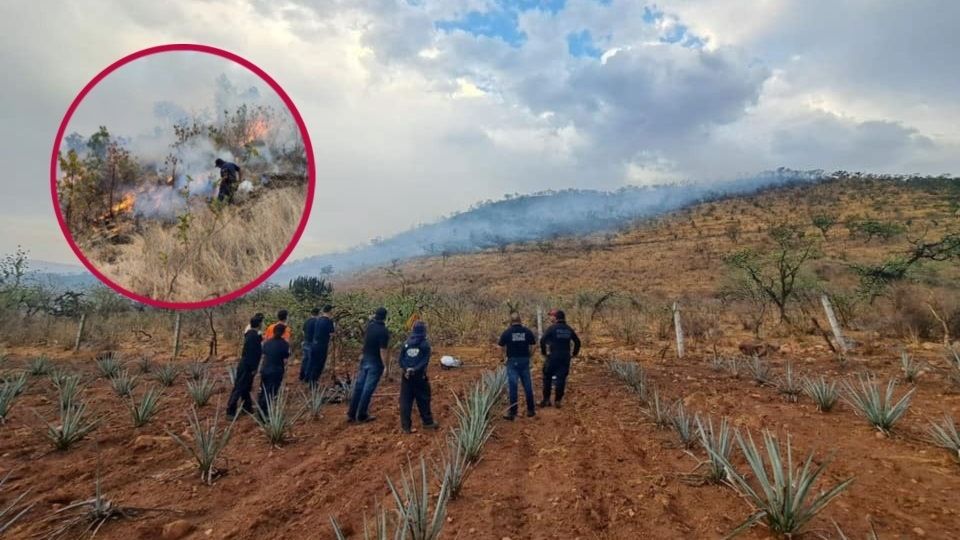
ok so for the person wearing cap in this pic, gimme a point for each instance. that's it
(308, 328)
(517, 341)
(323, 329)
(276, 350)
(414, 386)
(246, 369)
(376, 340)
(555, 346)
(230, 177)
(281, 319)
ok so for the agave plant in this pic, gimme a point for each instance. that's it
(759, 370)
(632, 374)
(717, 363)
(145, 365)
(167, 374)
(718, 444)
(453, 466)
(58, 376)
(123, 383)
(494, 384)
(682, 423)
(68, 391)
(276, 420)
(142, 411)
(474, 421)
(783, 495)
(945, 435)
(379, 530)
(200, 390)
(196, 370)
(314, 399)
(412, 500)
(232, 374)
(789, 385)
(658, 411)
(39, 366)
(17, 383)
(8, 393)
(73, 427)
(109, 365)
(208, 442)
(911, 369)
(733, 366)
(822, 392)
(879, 409)
(91, 514)
(953, 360)
(13, 511)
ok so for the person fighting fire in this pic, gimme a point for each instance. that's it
(230, 178)
(555, 348)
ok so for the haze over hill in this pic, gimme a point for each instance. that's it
(524, 218)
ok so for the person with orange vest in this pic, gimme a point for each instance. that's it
(281, 319)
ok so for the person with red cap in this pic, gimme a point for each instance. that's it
(555, 348)
(415, 387)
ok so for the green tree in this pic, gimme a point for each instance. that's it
(823, 222)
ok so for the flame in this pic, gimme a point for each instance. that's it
(256, 130)
(125, 204)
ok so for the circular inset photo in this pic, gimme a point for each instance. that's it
(182, 176)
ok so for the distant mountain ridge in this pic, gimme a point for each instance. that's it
(526, 218)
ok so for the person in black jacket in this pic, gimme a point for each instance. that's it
(555, 348)
(246, 369)
(276, 350)
(414, 357)
(376, 340)
(517, 341)
(308, 328)
(230, 178)
(323, 330)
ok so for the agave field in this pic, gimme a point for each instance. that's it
(646, 445)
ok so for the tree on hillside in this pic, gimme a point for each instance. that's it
(823, 222)
(310, 291)
(875, 279)
(775, 274)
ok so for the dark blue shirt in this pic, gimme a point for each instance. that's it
(377, 337)
(275, 354)
(517, 339)
(322, 330)
(415, 355)
(252, 349)
(309, 328)
(229, 171)
(555, 343)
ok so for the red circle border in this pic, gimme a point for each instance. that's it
(311, 174)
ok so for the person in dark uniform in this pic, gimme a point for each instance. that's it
(555, 348)
(230, 178)
(323, 329)
(517, 341)
(308, 328)
(375, 343)
(276, 350)
(414, 357)
(246, 369)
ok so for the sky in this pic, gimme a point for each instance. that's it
(418, 108)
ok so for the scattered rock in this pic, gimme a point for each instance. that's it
(176, 530)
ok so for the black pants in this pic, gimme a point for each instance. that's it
(241, 391)
(270, 382)
(318, 361)
(416, 388)
(227, 188)
(559, 368)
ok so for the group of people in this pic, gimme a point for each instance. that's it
(558, 345)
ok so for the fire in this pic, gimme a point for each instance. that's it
(256, 130)
(125, 204)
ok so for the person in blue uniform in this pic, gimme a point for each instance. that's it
(558, 345)
(323, 330)
(376, 340)
(517, 342)
(415, 386)
(276, 351)
(246, 369)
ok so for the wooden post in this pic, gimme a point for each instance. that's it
(539, 323)
(176, 335)
(83, 322)
(834, 323)
(679, 328)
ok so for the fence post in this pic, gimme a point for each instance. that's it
(176, 335)
(679, 328)
(539, 323)
(82, 323)
(834, 323)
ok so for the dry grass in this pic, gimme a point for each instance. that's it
(219, 254)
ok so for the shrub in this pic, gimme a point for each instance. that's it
(123, 383)
(718, 445)
(73, 426)
(823, 393)
(785, 500)
(144, 410)
(109, 365)
(276, 420)
(879, 409)
(167, 374)
(945, 435)
(208, 442)
(200, 390)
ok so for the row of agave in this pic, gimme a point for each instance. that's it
(416, 515)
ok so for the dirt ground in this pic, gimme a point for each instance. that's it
(598, 468)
